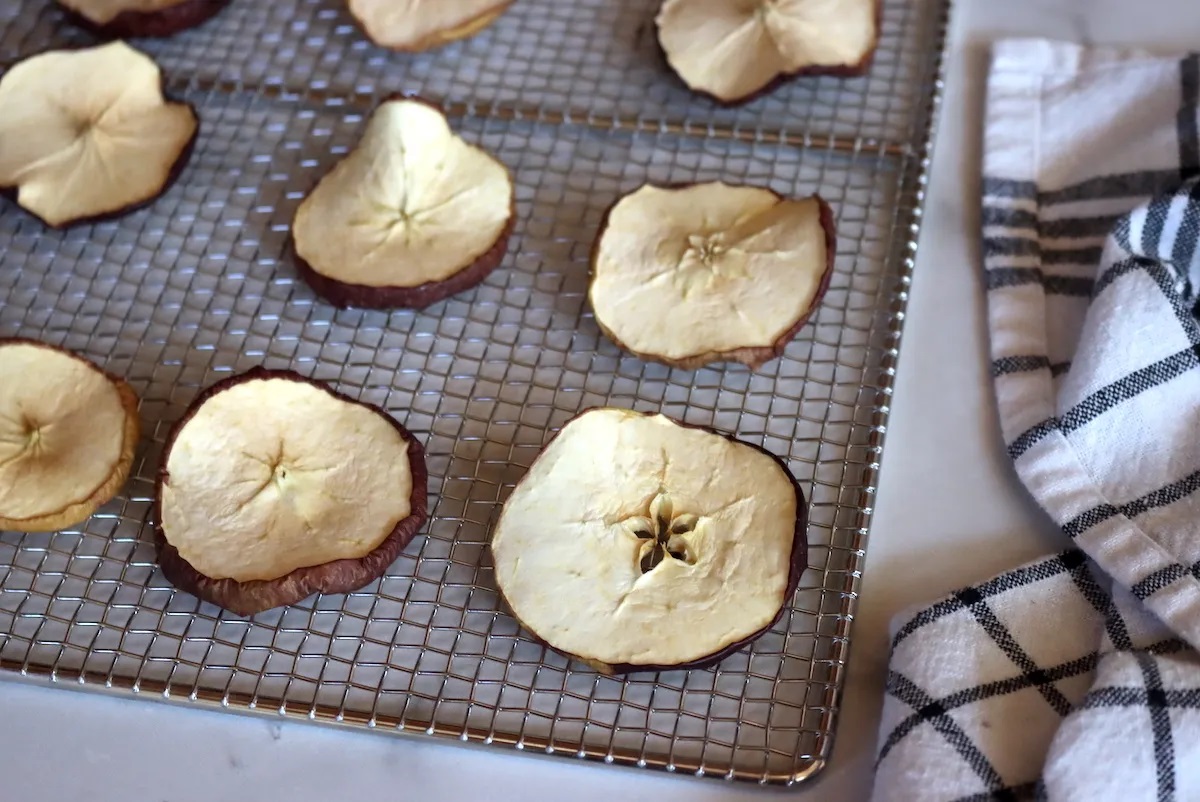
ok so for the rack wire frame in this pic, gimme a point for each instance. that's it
(199, 286)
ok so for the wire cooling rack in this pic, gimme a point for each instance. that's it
(575, 99)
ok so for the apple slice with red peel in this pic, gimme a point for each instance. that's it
(411, 216)
(274, 487)
(416, 25)
(141, 18)
(636, 543)
(710, 272)
(68, 432)
(734, 50)
(87, 134)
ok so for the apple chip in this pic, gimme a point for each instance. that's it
(636, 543)
(274, 487)
(87, 134)
(68, 432)
(733, 50)
(710, 272)
(411, 216)
(132, 18)
(414, 25)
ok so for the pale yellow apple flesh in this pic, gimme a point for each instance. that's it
(733, 49)
(707, 269)
(271, 475)
(571, 544)
(85, 133)
(411, 204)
(414, 25)
(67, 437)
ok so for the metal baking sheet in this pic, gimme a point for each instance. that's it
(575, 100)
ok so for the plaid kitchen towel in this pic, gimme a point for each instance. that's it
(1077, 677)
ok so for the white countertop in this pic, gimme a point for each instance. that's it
(949, 512)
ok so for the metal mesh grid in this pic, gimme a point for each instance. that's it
(586, 59)
(179, 295)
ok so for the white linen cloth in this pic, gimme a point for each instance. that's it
(1077, 677)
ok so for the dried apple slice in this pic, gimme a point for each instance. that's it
(411, 216)
(68, 431)
(710, 272)
(133, 18)
(274, 487)
(636, 543)
(734, 50)
(87, 134)
(415, 25)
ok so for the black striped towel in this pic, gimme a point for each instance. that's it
(1077, 677)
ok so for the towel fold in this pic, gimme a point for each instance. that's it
(1076, 677)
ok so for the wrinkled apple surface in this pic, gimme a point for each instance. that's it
(87, 133)
(67, 436)
(635, 541)
(142, 17)
(274, 473)
(709, 271)
(414, 25)
(413, 206)
(734, 49)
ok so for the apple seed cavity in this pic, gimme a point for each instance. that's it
(626, 521)
(740, 270)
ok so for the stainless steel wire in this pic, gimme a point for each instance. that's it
(575, 99)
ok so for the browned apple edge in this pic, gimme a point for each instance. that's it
(339, 576)
(81, 511)
(150, 24)
(753, 357)
(345, 295)
(10, 193)
(835, 71)
(798, 558)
